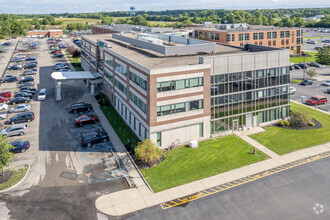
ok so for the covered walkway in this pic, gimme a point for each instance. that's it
(91, 80)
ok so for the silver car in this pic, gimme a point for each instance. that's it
(17, 129)
(326, 83)
(20, 108)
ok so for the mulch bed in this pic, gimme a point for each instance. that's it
(306, 127)
(6, 176)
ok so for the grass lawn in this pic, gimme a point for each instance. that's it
(76, 63)
(78, 20)
(120, 127)
(284, 141)
(184, 165)
(15, 178)
(297, 81)
(301, 59)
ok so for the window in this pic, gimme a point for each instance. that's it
(269, 43)
(216, 36)
(179, 84)
(108, 75)
(287, 33)
(274, 35)
(240, 37)
(179, 107)
(134, 124)
(261, 36)
(140, 129)
(138, 80)
(274, 42)
(247, 36)
(93, 61)
(269, 35)
(159, 139)
(282, 34)
(126, 114)
(255, 36)
(93, 49)
(138, 102)
(287, 41)
(121, 87)
(201, 130)
(121, 69)
(108, 60)
(228, 37)
(130, 118)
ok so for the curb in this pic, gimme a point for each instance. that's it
(19, 182)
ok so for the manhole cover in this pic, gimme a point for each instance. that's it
(68, 175)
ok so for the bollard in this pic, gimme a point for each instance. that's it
(254, 151)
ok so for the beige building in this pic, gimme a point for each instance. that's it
(46, 33)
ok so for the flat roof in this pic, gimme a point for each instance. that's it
(72, 75)
(152, 60)
(248, 29)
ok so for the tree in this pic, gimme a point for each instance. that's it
(107, 20)
(71, 49)
(5, 155)
(201, 37)
(76, 54)
(148, 152)
(311, 72)
(323, 56)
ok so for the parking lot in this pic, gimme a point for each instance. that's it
(59, 165)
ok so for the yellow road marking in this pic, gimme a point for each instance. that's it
(244, 180)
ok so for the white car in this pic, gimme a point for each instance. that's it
(292, 90)
(42, 94)
(20, 56)
(20, 108)
(3, 106)
(326, 83)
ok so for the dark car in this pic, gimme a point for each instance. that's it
(26, 79)
(23, 94)
(1, 51)
(302, 65)
(15, 67)
(80, 107)
(21, 117)
(30, 59)
(27, 90)
(35, 62)
(316, 100)
(296, 67)
(58, 55)
(94, 137)
(291, 67)
(306, 82)
(18, 59)
(314, 64)
(27, 84)
(30, 88)
(20, 146)
(19, 100)
(9, 78)
(7, 44)
(30, 65)
(86, 119)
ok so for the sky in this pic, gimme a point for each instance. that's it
(77, 6)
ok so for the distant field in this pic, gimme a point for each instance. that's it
(73, 20)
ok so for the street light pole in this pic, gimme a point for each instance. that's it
(304, 64)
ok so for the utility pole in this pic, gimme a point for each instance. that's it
(304, 55)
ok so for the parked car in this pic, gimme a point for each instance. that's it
(5, 94)
(326, 41)
(19, 100)
(64, 70)
(19, 146)
(22, 49)
(29, 88)
(3, 106)
(315, 64)
(306, 82)
(7, 43)
(296, 67)
(20, 108)
(326, 83)
(1, 51)
(60, 64)
(55, 51)
(9, 78)
(80, 107)
(311, 42)
(29, 72)
(316, 100)
(58, 55)
(21, 117)
(21, 55)
(18, 59)
(18, 129)
(61, 67)
(30, 65)
(23, 94)
(328, 90)
(86, 119)
(292, 90)
(15, 67)
(27, 84)
(3, 99)
(94, 137)
(318, 48)
(30, 59)
(302, 65)
(26, 79)
(291, 67)
(3, 115)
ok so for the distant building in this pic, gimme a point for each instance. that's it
(45, 33)
(315, 18)
(241, 34)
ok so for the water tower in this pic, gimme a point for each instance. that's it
(132, 11)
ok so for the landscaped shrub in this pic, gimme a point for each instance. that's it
(280, 123)
(102, 99)
(286, 123)
(311, 123)
(148, 152)
(299, 119)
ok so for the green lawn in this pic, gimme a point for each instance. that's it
(301, 59)
(76, 63)
(284, 141)
(15, 178)
(184, 165)
(120, 127)
(297, 81)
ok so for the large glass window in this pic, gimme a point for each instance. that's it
(240, 37)
(179, 107)
(120, 68)
(108, 75)
(201, 130)
(179, 84)
(108, 60)
(261, 36)
(121, 87)
(138, 80)
(138, 102)
(159, 139)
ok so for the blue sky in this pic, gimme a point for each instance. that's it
(72, 6)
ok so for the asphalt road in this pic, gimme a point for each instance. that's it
(65, 179)
(290, 194)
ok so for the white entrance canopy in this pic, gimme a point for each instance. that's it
(90, 78)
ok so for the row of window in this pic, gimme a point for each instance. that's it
(272, 35)
(300, 33)
(258, 36)
(121, 87)
(108, 75)
(242, 37)
(285, 34)
(120, 68)
(108, 60)
(138, 102)
(179, 84)
(300, 40)
(179, 107)
(138, 80)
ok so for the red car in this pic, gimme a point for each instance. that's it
(22, 49)
(5, 94)
(86, 119)
(3, 99)
(316, 100)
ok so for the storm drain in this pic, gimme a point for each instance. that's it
(68, 175)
